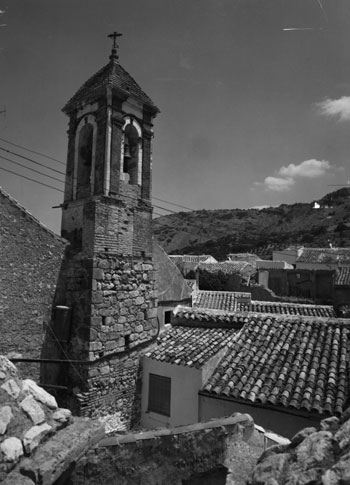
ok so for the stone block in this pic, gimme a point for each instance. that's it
(97, 297)
(11, 449)
(62, 416)
(34, 436)
(33, 409)
(95, 346)
(98, 274)
(5, 418)
(30, 387)
(139, 328)
(12, 388)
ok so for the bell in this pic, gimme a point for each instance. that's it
(127, 153)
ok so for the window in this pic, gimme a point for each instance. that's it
(159, 394)
(167, 316)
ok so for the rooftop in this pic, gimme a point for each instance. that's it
(229, 267)
(112, 75)
(324, 255)
(234, 302)
(342, 276)
(298, 365)
(191, 347)
(190, 258)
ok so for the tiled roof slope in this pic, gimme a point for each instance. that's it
(229, 267)
(300, 365)
(111, 75)
(342, 277)
(219, 300)
(228, 301)
(191, 347)
(189, 258)
(281, 308)
(324, 255)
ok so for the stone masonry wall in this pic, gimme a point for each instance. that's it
(113, 316)
(30, 261)
(169, 456)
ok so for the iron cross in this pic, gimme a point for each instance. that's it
(114, 37)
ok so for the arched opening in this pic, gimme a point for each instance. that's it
(85, 158)
(132, 154)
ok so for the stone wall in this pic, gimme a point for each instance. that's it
(113, 317)
(170, 456)
(30, 261)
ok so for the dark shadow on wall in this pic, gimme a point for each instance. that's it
(63, 343)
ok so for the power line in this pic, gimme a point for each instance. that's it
(31, 169)
(62, 163)
(32, 161)
(32, 180)
(31, 151)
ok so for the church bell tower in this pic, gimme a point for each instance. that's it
(108, 277)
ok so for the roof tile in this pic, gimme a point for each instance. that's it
(288, 370)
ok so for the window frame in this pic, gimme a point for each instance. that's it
(159, 394)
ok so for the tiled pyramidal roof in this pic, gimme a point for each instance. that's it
(111, 75)
(191, 347)
(300, 365)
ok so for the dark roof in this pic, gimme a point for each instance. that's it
(324, 255)
(112, 75)
(342, 276)
(191, 347)
(229, 267)
(171, 285)
(301, 365)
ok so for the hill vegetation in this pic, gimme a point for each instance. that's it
(223, 231)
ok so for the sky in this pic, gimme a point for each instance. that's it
(251, 114)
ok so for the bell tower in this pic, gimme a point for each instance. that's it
(108, 278)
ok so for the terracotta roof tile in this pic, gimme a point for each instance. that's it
(111, 75)
(191, 347)
(229, 267)
(323, 255)
(228, 301)
(303, 365)
(190, 258)
(342, 276)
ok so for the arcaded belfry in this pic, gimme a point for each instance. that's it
(108, 280)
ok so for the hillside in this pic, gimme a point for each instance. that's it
(223, 231)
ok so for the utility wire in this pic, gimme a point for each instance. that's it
(31, 169)
(32, 161)
(31, 151)
(32, 180)
(62, 163)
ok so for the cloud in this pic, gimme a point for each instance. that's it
(336, 108)
(308, 168)
(278, 184)
(285, 177)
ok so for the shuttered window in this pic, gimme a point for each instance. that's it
(159, 394)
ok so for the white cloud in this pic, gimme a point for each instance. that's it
(308, 168)
(285, 177)
(336, 108)
(278, 184)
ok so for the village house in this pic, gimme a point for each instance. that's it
(287, 372)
